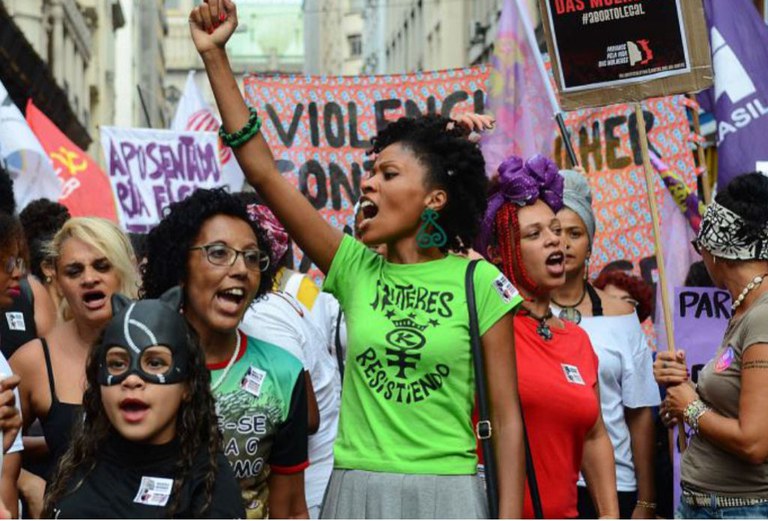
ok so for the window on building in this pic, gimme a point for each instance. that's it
(355, 45)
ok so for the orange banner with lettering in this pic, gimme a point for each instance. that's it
(86, 189)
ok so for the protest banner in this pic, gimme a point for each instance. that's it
(149, 169)
(609, 51)
(319, 127)
(86, 190)
(701, 316)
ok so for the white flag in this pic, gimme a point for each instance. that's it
(26, 161)
(194, 114)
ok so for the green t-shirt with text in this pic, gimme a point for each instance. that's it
(409, 385)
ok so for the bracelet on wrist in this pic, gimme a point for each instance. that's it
(693, 412)
(648, 505)
(240, 137)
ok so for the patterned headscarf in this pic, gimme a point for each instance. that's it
(519, 184)
(276, 234)
(726, 235)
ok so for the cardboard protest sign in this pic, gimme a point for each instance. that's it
(149, 169)
(319, 127)
(615, 51)
(700, 317)
(607, 144)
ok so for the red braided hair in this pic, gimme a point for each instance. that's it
(508, 238)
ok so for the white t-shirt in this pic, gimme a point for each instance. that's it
(279, 319)
(5, 371)
(626, 380)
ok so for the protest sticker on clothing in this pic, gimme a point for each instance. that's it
(319, 127)
(607, 143)
(700, 318)
(619, 44)
(150, 169)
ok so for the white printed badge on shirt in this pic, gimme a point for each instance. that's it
(253, 380)
(15, 321)
(504, 288)
(572, 374)
(154, 491)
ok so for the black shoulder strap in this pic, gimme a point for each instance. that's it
(49, 367)
(484, 430)
(337, 342)
(484, 425)
(597, 303)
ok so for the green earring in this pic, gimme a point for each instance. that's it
(426, 239)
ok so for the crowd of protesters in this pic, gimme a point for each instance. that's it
(199, 375)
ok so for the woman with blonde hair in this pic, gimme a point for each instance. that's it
(92, 259)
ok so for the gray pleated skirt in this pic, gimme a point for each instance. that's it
(358, 494)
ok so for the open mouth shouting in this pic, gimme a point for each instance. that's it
(133, 410)
(556, 264)
(231, 300)
(95, 299)
(369, 211)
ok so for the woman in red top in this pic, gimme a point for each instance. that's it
(557, 368)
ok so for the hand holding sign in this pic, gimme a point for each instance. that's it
(669, 368)
(212, 24)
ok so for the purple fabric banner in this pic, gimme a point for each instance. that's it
(739, 98)
(701, 316)
(520, 95)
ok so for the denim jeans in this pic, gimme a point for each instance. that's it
(759, 511)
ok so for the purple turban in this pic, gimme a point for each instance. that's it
(521, 183)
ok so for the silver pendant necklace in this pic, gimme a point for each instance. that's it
(570, 313)
(542, 329)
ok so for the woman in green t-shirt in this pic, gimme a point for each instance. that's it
(405, 446)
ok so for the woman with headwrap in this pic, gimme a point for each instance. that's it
(627, 388)
(724, 471)
(557, 368)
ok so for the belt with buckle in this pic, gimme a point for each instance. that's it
(702, 499)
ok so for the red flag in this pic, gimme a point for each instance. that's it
(87, 191)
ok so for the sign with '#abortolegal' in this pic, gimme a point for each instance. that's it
(613, 51)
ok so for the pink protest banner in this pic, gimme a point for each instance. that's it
(607, 144)
(319, 127)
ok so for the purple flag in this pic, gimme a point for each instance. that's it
(520, 95)
(739, 98)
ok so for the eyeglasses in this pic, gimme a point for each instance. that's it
(695, 244)
(222, 255)
(13, 263)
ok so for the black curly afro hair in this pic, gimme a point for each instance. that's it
(747, 197)
(453, 164)
(7, 200)
(41, 219)
(167, 245)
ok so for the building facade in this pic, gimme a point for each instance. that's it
(414, 35)
(141, 65)
(61, 53)
(269, 38)
(333, 36)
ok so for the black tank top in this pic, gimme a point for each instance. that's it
(58, 423)
(597, 302)
(17, 326)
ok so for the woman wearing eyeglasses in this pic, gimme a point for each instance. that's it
(208, 245)
(92, 259)
(627, 388)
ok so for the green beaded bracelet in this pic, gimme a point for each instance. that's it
(237, 139)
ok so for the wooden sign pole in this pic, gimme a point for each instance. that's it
(656, 227)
